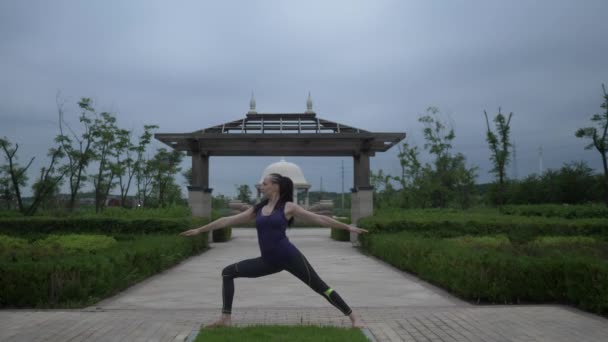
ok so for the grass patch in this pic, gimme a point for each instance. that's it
(281, 333)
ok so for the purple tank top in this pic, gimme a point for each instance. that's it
(274, 244)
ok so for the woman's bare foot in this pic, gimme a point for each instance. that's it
(356, 321)
(225, 321)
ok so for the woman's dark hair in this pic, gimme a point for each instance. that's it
(285, 193)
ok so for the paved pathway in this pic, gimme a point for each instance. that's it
(395, 305)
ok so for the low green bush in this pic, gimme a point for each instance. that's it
(340, 234)
(101, 225)
(222, 235)
(76, 242)
(452, 223)
(83, 278)
(557, 210)
(492, 270)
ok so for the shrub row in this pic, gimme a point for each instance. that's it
(102, 225)
(222, 235)
(340, 234)
(448, 223)
(80, 279)
(497, 275)
(556, 210)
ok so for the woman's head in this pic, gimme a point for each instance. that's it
(276, 185)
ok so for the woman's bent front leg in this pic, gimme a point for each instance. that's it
(250, 268)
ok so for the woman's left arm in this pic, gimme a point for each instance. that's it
(321, 220)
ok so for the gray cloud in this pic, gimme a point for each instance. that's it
(376, 65)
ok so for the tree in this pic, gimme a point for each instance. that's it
(243, 193)
(163, 168)
(16, 174)
(124, 168)
(49, 180)
(105, 142)
(499, 146)
(450, 176)
(142, 167)
(78, 150)
(598, 136)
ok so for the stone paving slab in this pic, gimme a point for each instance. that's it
(492, 323)
(394, 305)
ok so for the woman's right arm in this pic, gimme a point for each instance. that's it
(222, 222)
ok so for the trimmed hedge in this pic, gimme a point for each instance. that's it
(102, 225)
(222, 235)
(450, 223)
(557, 210)
(340, 234)
(77, 280)
(497, 274)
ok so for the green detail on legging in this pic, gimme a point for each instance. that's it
(328, 292)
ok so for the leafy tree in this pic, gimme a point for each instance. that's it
(16, 174)
(143, 168)
(49, 182)
(15, 177)
(163, 168)
(105, 142)
(384, 192)
(124, 164)
(243, 193)
(598, 136)
(499, 146)
(450, 178)
(78, 149)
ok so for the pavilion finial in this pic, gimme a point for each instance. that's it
(309, 105)
(252, 105)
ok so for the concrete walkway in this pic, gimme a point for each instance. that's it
(395, 305)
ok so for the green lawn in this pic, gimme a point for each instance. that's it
(281, 333)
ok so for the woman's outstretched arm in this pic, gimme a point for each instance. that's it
(321, 220)
(222, 222)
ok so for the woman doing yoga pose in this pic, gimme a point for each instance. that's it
(272, 216)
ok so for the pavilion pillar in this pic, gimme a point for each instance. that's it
(362, 193)
(199, 193)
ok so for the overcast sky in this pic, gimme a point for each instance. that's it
(376, 65)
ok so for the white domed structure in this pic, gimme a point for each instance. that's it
(291, 170)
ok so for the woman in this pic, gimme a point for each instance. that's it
(272, 216)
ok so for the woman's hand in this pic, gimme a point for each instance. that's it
(356, 230)
(190, 232)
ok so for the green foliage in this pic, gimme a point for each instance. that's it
(599, 138)
(451, 223)
(76, 242)
(491, 270)
(101, 225)
(447, 182)
(340, 234)
(243, 193)
(499, 146)
(557, 210)
(83, 278)
(11, 244)
(281, 333)
(573, 183)
(222, 235)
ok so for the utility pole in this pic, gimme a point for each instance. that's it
(321, 190)
(342, 184)
(540, 160)
(515, 176)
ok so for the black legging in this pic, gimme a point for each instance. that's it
(257, 267)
